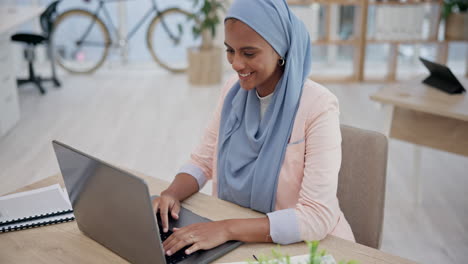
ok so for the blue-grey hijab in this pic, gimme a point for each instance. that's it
(251, 150)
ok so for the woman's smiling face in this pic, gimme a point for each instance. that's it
(254, 60)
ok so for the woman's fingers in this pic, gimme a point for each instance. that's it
(178, 240)
(194, 248)
(161, 205)
(175, 209)
(163, 211)
(177, 244)
(169, 242)
(197, 236)
(164, 204)
(155, 203)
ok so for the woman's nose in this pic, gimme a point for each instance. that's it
(237, 63)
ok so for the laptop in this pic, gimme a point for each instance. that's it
(442, 78)
(113, 207)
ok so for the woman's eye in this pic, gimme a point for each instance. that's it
(230, 51)
(249, 54)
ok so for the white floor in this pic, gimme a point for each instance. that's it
(148, 120)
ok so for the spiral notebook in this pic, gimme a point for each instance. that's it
(35, 208)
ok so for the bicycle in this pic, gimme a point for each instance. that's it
(82, 39)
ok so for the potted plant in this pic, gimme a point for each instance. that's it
(314, 257)
(205, 63)
(455, 14)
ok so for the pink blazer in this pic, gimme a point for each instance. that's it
(308, 179)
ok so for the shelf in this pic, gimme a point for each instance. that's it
(408, 42)
(340, 42)
(360, 39)
(334, 79)
(326, 2)
(407, 2)
(360, 2)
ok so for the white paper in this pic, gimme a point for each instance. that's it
(40, 201)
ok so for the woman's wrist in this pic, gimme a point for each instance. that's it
(183, 186)
(230, 229)
(171, 193)
(248, 230)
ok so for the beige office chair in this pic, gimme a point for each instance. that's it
(361, 183)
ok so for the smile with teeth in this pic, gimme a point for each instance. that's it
(245, 74)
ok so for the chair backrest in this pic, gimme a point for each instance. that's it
(47, 18)
(361, 183)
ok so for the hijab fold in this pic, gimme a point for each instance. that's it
(250, 149)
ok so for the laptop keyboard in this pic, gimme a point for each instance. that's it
(179, 255)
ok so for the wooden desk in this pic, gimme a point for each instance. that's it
(64, 243)
(425, 116)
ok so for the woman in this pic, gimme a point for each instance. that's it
(274, 144)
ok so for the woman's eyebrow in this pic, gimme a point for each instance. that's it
(243, 48)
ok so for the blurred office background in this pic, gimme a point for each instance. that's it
(136, 114)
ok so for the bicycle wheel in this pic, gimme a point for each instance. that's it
(169, 36)
(81, 41)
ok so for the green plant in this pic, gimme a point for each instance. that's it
(315, 257)
(207, 16)
(452, 6)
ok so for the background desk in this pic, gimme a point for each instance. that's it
(425, 116)
(10, 19)
(64, 243)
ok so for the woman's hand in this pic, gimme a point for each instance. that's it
(164, 204)
(200, 236)
(180, 189)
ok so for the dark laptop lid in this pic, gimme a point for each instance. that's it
(442, 78)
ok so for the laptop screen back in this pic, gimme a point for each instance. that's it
(111, 206)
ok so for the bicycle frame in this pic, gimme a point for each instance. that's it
(101, 6)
